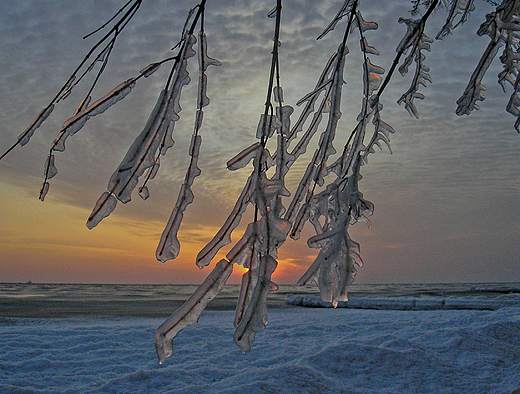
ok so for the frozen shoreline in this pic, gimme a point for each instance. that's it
(302, 351)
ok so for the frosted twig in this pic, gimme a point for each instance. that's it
(169, 245)
(72, 80)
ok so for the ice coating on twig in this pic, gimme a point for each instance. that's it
(458, 7)
(44, 190)
(502, 27)
(382, 131)
(156, 135)
(189, 312)
(254, 251)
(244, 157)
(223, 236)
(340, 204)
(256, 285)
(50, 168)
(417, 41)
(104, 207)
(323, 84)
(204, 60)
(267, 125)
(344, 10)
(37, 122)
(150, 69)
(335, 267)
(169, 245)
(74, 124)
(475, 89)
(325, 149)
(83, 113)
(257, 247)
(109, 39)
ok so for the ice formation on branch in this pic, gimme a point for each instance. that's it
(414, 42)
(156, 137)
(169, 245)
(103, 49)
(256, 250)
(502, 27)
(458, 7)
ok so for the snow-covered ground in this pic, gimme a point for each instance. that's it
(303, 350)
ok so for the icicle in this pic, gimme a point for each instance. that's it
(367, 48)
(244, 157)
(204, 60)
(371, 78)
(50, 168)
(144, 193)
(104, 206)
(362, 25)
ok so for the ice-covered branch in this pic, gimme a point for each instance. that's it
(73, 80)
(415, 41)
(502, 26)
(335, 267)
(156, 136)
(458, 7)
(258, 244)
(169, 245)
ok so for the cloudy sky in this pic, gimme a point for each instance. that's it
(446, 200)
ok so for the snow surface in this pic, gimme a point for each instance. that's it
(302, 351)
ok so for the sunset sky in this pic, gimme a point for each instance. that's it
(447, 201)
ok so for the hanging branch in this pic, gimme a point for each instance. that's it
(502, 27)
(458, 7)
(316, 167)
(256, 248)
(66, 89)
(156, 137)
(169, 245)
(418, 42)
